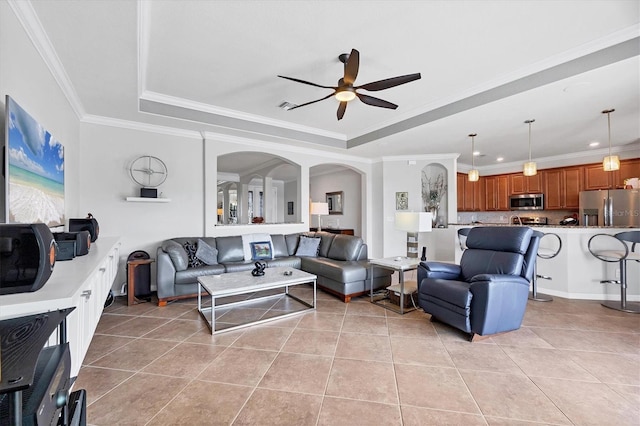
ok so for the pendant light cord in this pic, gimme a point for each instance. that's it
(529, 123)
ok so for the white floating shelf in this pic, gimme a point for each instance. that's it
(148, 200)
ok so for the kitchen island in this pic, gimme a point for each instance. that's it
(575, 272)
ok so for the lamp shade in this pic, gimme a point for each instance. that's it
(220, 212)
(319, 208)
(413, 221)
(474, 175)
(611, 163)
(529, 168)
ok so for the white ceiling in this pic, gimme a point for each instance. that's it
(487, 66)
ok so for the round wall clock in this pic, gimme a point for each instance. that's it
(148, 171)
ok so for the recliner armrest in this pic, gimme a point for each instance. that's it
(446, 271)
(497, 278)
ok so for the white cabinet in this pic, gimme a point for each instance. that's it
(83, 283)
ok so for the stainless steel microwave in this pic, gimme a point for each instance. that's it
(526, 202)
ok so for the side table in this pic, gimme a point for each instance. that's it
(131, 278)
(400, 264)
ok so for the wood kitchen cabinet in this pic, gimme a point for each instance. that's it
(496, 192)
(628, 169)
(596, 178)
(471, 195)
(562, 188)
(521, 184)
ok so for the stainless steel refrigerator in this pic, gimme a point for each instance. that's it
(613, 207)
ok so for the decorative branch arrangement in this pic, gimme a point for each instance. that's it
(433, 191)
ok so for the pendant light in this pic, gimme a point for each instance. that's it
(529, 168)
(474, 175)
(611, 162)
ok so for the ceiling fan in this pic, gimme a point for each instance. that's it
(345, 91)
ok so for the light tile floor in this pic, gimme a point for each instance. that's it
(572, 362)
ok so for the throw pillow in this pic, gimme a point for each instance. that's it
(308, 246)
(191, 254)
(206, 253)
(247, 239)
(261, 250)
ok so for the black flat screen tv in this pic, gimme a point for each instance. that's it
(33, 169)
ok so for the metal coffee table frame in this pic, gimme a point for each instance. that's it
(236, 283)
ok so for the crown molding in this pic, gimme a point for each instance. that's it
(142, 127)
(33, 27)
(564, 160)
(147, 95)
(449, 156)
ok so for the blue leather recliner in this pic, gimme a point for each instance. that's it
(487, 293)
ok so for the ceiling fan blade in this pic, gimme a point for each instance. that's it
(389, 82)
(341, 109)
(370, 100)
(307, 82)
(312, 102)
(351, 67)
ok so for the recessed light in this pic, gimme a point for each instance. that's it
(592, 144)
(476, 153)
(500, 159)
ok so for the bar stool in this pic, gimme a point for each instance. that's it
(554, 245)
(462, 237)
(619, 254)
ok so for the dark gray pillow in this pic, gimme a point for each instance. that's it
(206, 253)
(308, 246)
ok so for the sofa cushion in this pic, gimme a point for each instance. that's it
(239, 266)
(230, 249)
(261, 250)
(284, 262)
(345, 247)
(190, 276)
(176, 253)
(308, 246)
(292, 243)
(325, 244)
(336, 270)
(191, 250)
(206, 253)
(279, 245)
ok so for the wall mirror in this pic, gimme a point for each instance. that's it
(335, 201)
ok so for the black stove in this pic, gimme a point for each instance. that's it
(529, 220)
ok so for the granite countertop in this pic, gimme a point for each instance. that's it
(550, 225)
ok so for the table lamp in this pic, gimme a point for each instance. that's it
(319, 209)
(413, 223)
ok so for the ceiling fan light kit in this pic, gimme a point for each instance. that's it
(611, 162)
(345, 91)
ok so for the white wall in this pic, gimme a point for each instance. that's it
(26, 78)
(350, 183)
(105, 155)
(404, 174)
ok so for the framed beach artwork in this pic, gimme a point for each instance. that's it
(35, 170)
(402, 201)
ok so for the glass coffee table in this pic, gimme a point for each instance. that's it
(237, 283)
(399, 264)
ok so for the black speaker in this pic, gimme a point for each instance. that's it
(66, 250)
(87, 224)
(27, 257)
(148, 193)
(82, 239)
(424, 254)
